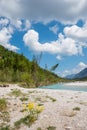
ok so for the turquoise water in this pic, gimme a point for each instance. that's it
(64, 87)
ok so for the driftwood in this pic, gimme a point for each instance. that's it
(4, 85)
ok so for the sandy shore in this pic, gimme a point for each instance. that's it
(63, 110)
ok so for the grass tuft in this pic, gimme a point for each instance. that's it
(76, 108)
(23, 99)
(5, 128)
(39, 128)
(3, 104)
(51, 98)
(28, 120)
(16, 92)
(51, 128)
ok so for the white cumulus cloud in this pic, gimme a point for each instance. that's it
(4, 22)
(59, 57)
(63, 46)
(5, 36)
(22, 25)
(78, 33)
(79, 67)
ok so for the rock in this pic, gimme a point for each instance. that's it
(1, 85)
(68, 128)
(4, 85)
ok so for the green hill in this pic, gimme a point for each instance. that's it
(17, 68)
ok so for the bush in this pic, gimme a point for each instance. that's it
(26, 77)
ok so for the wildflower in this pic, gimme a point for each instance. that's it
(31, 106)
(39, 109)
(33, 112)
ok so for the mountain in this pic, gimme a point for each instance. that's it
(17, 68)
(81, 74)
(70, 76)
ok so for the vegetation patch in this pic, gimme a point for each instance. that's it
(23, 99)
(38, 99)
(33, 91)
(5, 128)
(28, 120)
(76, 108)
(39, 128)
(3, 104)
(16, 68)
(16, 93)
(51, 128)
(51, 98)
(4, 116)
(33, 111)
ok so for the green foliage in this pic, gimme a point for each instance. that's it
(76, 108)
(17, 68)
(28, 120)
(16, 92)
(39, 128)
(3, 104)
(5, 128)
(27, 78)
(23, 99)
(32, 111)
(4, 116)
(51, 128)
(51, 98)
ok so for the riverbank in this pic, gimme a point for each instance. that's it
(76, 83)
(63, 110)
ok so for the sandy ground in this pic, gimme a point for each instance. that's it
(59, 113)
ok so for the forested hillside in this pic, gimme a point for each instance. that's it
(17, 68)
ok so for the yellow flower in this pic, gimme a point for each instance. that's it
(31, 106)
(39, 109)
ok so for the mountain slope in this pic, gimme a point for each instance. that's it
(17, 68)
(70, 76)
(81, 74)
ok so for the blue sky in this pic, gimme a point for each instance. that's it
(58, 29)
